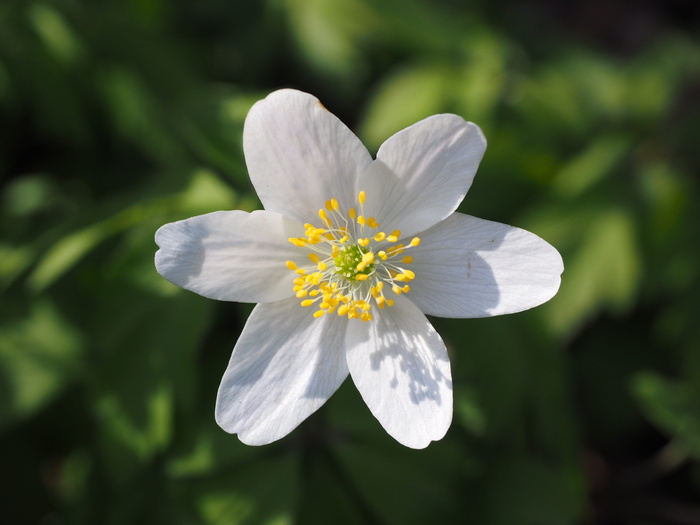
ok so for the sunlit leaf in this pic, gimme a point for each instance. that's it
(404, 98)
(602, 265)
(593, 164)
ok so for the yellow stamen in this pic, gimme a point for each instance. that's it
(395, 250)
(394, 237)
(348, 274)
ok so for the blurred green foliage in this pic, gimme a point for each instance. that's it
(117, 117)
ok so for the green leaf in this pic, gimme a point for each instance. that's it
(404, 98)
(672, 405)
(40, 354)
(205, 193)
(265, 492)
(596, 162)
(602, 263)
(54, 31)
(144, 374)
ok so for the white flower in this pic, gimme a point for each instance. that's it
(348, 256)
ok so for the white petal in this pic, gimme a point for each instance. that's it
(285, 365)
(300, 155)
(422, 173)
(469, 267)
(230, 255)
(400, 366)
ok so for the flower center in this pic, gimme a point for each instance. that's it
(348, 261)
(353, 261)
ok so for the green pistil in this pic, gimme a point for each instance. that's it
(347, 260)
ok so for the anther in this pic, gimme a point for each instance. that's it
(343, 263)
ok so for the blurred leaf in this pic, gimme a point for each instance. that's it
(205, 193)
(146, 370)
(136, 111)
(28, 194)
(482, 77)
(39, 355)
(597, 161)
(395, 483)
(672, 405)
(329, 33)
(552, 422)
(468, 410)
(264, 492)
(54, 31)
(607, 355)
(67, 252)
(602, 264)
(4, 83)
(404, 98)
(13, 261)
(330, 495)
(550, 102)
(489, 356)
(216, 136)
(667, 195)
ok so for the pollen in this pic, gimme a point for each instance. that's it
(352, 263)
